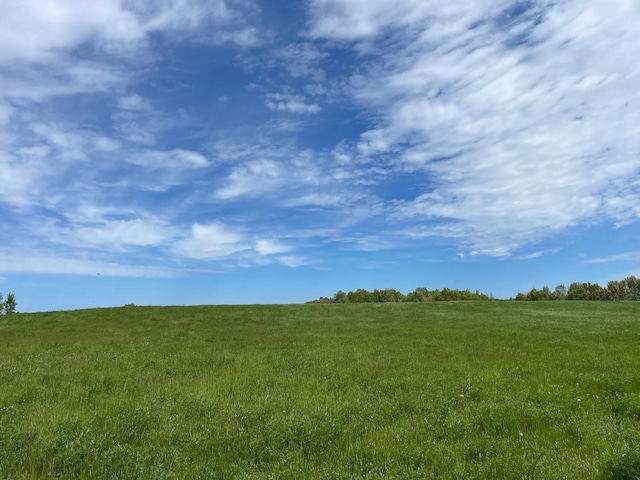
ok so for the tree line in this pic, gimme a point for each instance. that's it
(391, 295)
(627, 289)
(8, 306)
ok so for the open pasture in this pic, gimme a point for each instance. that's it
(396, 391)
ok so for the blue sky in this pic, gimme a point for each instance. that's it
(243, 151)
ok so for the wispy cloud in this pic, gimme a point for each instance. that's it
(290, 103)
(218, 241)
(43, 262)
(302, 60)
(173, 159)
(293, 261)
(116, 235)
(133, 102)
(212, 241)
(36, 32)
(268, 170)
(518, 117)
(270, 247)
(628, 257)
(5, 112)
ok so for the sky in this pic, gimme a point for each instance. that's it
(174, 152)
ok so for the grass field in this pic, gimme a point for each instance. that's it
(407, 391)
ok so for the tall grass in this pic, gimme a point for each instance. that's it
(407, 391)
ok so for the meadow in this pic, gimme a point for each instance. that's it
(448, 390)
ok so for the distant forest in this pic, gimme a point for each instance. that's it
(390, 295)
(627, 289)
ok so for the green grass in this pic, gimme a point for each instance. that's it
(480, 390)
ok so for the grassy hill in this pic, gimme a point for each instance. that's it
(407, 391)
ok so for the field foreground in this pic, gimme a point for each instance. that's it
(407, 391)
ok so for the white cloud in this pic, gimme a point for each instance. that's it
(56, 48)
(36, 30)
(353, 20)
(16, 180)
(88, 212)
(302, 60)
(286, 176)
(133, 102)
(72, 143)
(42, 262)
(42, 165)
(59, 137)
(270, 247)
(62, 76)
(106, 144)
(519, 120)
(37, 152)
(293, 261)
(137, 121)
(211, 242)
(217, 242)
(117, 234)
(290, 103)
(25, 172)
(5, 112)
(208, 21)
(140, 127)
(530, 256)
(252, 179)
(319, 199)
(628, 257)
(173, 159)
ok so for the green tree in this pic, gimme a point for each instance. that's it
(1, 305)
(545, 293)
(560, 292)
(393, 295)
(578, 291)
(378, 295)
(340, 297)
(420, 294)
(633, 287)
(617, 290)
(533, 294)
(361, 296)
(10, 304)
(595, 292)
